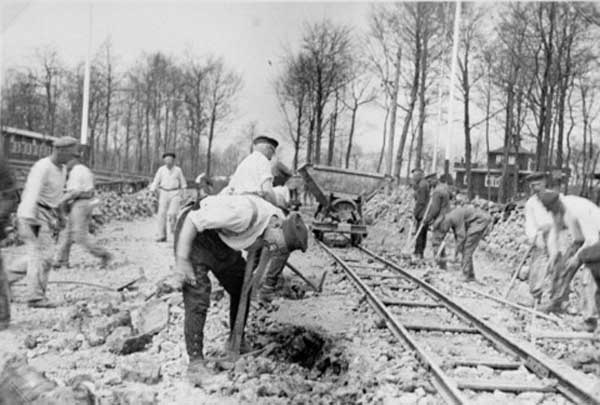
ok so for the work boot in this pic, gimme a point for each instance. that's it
(197, 372)
(551, 306)
(468, 278)
(41, 303)
(587, 325)
(161, 239)
(4, 325)
(441, 264)
(60, 264)
(266, 294)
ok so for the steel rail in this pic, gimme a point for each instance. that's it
(539, 363)
(446, 386)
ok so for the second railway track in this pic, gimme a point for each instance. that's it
(430, 322)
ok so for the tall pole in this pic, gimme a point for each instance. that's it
(86, 85)
(449, 127)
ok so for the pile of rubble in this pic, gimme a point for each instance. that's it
(124, 207)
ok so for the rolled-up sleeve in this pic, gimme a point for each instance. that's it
(182, 180)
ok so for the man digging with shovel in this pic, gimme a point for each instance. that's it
(211, 239)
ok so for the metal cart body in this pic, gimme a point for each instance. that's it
(340, 194)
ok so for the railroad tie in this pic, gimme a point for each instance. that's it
(507, 386)
(441, 328)
(496, 364)
(424, 304)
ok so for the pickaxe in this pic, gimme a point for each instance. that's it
(312, 285)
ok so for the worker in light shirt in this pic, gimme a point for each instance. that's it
(581, 218)
(254, 174)
(77, 204)
(170, 183)
(38, 217)
(211, 239)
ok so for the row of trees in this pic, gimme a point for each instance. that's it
(526, 77)
(157, 104)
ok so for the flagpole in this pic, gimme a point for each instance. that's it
(449, 127)
(86, 85)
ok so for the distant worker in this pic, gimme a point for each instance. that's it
(440, 197)
(421, 196)
(170, 183)
(8, 203)
(210, 239)
(77, 205)
(38, 217)
(469, 225)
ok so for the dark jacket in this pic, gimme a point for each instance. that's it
(440, 204)
(421, 199)
(590, 254)
(8, 195)
(463, 221)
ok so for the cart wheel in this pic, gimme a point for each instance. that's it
(356, 239)
(318, 235)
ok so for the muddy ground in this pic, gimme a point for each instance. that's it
(321, 348)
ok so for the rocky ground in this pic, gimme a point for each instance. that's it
(316, 348)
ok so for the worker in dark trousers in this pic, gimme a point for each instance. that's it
(8, 203)
(421, 195)
(439, 205)
(211, 239)
(469, 225)
(589, 257)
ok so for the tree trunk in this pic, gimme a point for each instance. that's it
(411, 107)
(467, 124)
(211, 134)
(298, 135)
(383, 141)
(422, 107)
(351, 134)
(394, 108)
(310, 139)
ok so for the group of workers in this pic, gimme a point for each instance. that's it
(252, 214)
(547, 214)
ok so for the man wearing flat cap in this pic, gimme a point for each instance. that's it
(211, 239)
(438, 207)
(170, 183)
(254, 174)
(38, 217)
(421, 196)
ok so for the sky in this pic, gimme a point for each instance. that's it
(252, 37)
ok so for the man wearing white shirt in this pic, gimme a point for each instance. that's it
(581, 218)
(254, 174)
(210, 239)
(77, 203)
(170, 183)
(38, 216)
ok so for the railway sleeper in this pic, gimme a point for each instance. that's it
(404, 303)
(507, 386)
(441, 328)
(496, 364)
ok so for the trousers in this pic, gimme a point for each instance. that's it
(168, 206)
(276, 266)
(471, 242)
(77, 231)
(561, 276)
(35, 265)
(210, 253)
(421, 240)
(4, 297)
(589, 295)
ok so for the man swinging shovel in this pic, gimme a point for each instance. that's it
(211, 239)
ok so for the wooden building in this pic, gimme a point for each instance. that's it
(486, 182)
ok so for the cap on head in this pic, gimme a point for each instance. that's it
(537, 176)
(550, 200)
(265, 139)
(65, 142)
(295, 232)
(172, 154)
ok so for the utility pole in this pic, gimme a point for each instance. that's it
(394, 107)
(86, 85)
(450, 125)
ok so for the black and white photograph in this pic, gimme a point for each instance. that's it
(299, 202)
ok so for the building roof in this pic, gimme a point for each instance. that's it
(26, 133)
(521, 151)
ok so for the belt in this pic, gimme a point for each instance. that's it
(253, 220)
(170, 189)
(45, 206)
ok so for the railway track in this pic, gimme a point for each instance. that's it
(451, 342)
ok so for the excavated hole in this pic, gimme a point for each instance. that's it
(309, 349)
